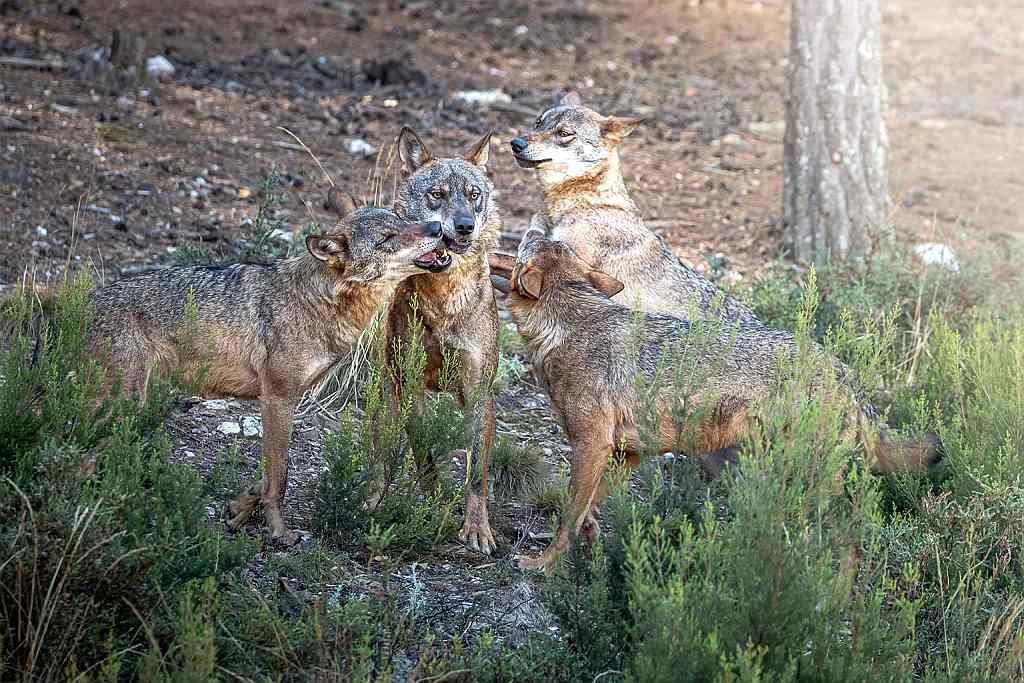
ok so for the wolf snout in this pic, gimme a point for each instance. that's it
(431, 229)
(464, 225)
(519, 145)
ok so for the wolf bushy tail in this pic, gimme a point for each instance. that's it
(888, 452)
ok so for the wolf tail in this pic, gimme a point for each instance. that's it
(889, 452)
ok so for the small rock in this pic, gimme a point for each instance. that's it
(125, 103)
(733, 140)
(215, 404)
(159, 68)
(41, 231)
(244, 193)
(252, 426)
(933, 124)
(768, 128)
(229, 428)
(935, 254)
(360, 148)
(481, 98)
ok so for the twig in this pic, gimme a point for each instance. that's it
(513, 108)
(26, 63)
(310, 152)
(287, 145)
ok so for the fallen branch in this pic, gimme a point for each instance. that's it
(26, 63)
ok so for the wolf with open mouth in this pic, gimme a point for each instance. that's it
(456, 304)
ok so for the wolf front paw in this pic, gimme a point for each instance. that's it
(476, 529)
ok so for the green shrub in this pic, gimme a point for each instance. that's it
(382, 465)
(95, 524)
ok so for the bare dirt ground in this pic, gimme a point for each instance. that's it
(119, 176)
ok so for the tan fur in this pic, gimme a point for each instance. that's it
(587, 205)
(579, 343)
(266, 332)
(459, 316)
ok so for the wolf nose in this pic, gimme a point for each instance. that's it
(519, 145)
(464, 226)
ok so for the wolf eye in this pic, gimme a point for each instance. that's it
(436, 194)
(474, 194)
(566, 133)
(387, 238)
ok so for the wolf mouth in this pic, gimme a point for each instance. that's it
(435, 261)
(523, 162)
(458, 246)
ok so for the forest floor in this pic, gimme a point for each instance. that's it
(121, 177)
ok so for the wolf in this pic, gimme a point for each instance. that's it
(575, 153)
(265, 332)
(457, 306)
(595, 359)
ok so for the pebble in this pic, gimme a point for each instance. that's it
(252, 426)
(229, 428)
(216, 404)
(359, 147)
(936, 254)
(481, 98)
(159, 68)
(41, 231)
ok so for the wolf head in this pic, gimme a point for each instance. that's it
(454, 192)
(542, 265)
(570, 141)
(373, 245)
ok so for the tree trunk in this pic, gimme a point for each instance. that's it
(836, 153)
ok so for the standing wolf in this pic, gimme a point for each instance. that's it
(456, 307)
(575, 152)
(267, 332)
(710, 378)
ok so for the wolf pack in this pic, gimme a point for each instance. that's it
(609, 316)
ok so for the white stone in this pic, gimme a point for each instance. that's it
(936, 254)
(229, 428)
(481, 98)
(41, 231)
(216, 404)
(252, 426)
(159, 68)
(360, 148)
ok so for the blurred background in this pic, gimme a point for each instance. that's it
(155, 123)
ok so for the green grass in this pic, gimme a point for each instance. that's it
(798, 566)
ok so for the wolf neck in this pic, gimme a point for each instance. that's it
(324, 291)
(602, 187)
(545, 324)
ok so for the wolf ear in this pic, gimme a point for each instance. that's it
(340, 202)
(530, 281)
(616, 128)
(502, 264)
(412, 151)
(478, 154)
(605, 283)
(571, 99)
(327, 248)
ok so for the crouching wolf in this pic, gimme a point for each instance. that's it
(457, 306)
(262, 331)
(594, 364)
(575, 152)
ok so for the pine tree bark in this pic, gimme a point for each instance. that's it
(836, 148)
